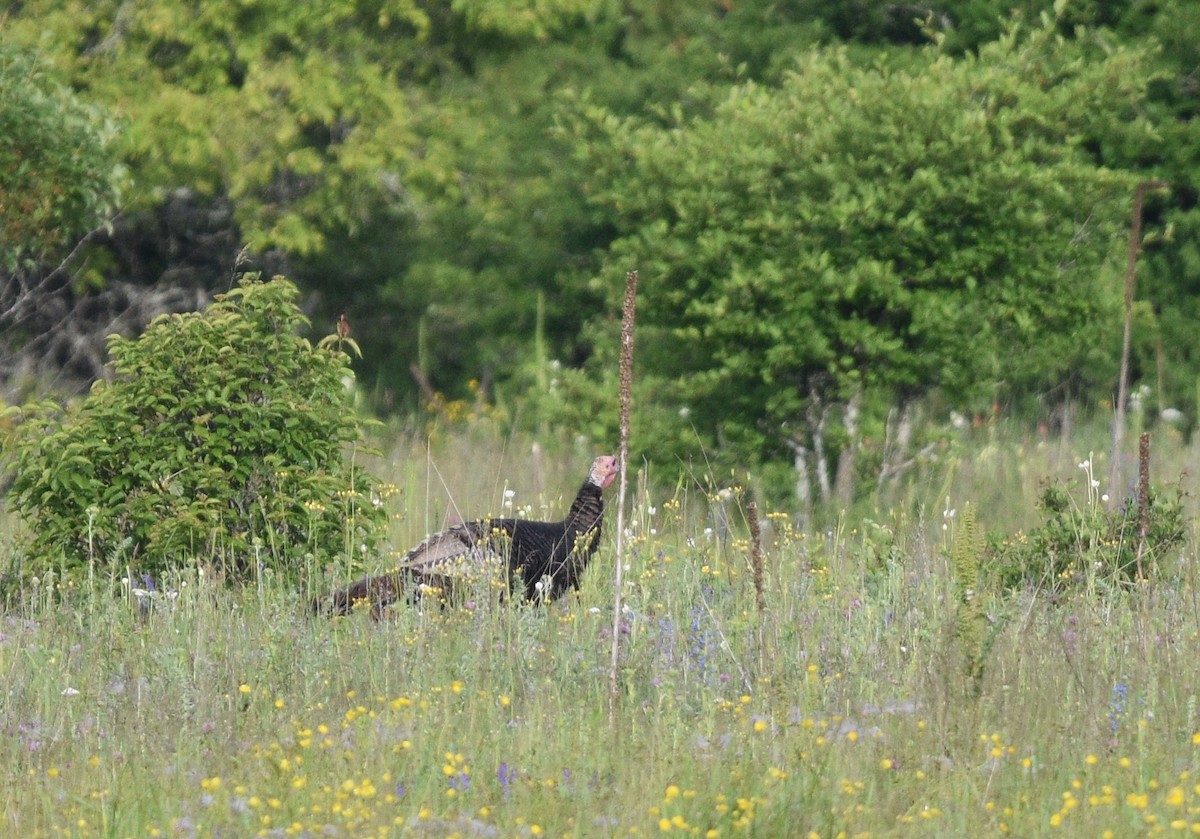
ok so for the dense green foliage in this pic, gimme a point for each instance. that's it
(222, 441)
(58, 174)
(807, 242)
(416, 166)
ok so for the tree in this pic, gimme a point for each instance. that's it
(60, 181)
(864, 236)
(394, 157)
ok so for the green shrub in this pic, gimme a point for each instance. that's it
(222, 439)
(1084, 544)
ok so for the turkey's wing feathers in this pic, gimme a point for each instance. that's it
(471, 543)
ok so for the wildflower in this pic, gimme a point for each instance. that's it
(505, 775)
(1138, 800)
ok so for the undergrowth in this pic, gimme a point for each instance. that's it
(225, 439)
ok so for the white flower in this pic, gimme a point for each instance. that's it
(70, 692)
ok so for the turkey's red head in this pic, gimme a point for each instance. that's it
(604, 469)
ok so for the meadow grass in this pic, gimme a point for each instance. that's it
(201, 709)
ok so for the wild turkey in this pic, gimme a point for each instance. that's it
(548, 557)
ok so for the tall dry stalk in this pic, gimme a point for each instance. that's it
(628, 313)
(756, 567)
(1143, 500)
(1135, 246)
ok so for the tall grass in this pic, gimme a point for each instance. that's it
(853, 708)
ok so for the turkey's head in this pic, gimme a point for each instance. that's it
(604, 469)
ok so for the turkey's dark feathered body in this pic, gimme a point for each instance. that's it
(558, 551)
(545, 558)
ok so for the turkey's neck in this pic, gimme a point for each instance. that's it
(586, 510)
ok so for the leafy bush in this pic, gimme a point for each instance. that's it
(221, 439)
(1085, 543)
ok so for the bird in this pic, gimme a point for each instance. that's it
(545, 558)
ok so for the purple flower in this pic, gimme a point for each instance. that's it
(1116, 705)
(505, 775)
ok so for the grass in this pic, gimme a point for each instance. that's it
(208, 711)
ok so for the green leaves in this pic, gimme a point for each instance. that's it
(219, 429)
(58, 173)
(932, 225)
(233, 99)
(1081, 543)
